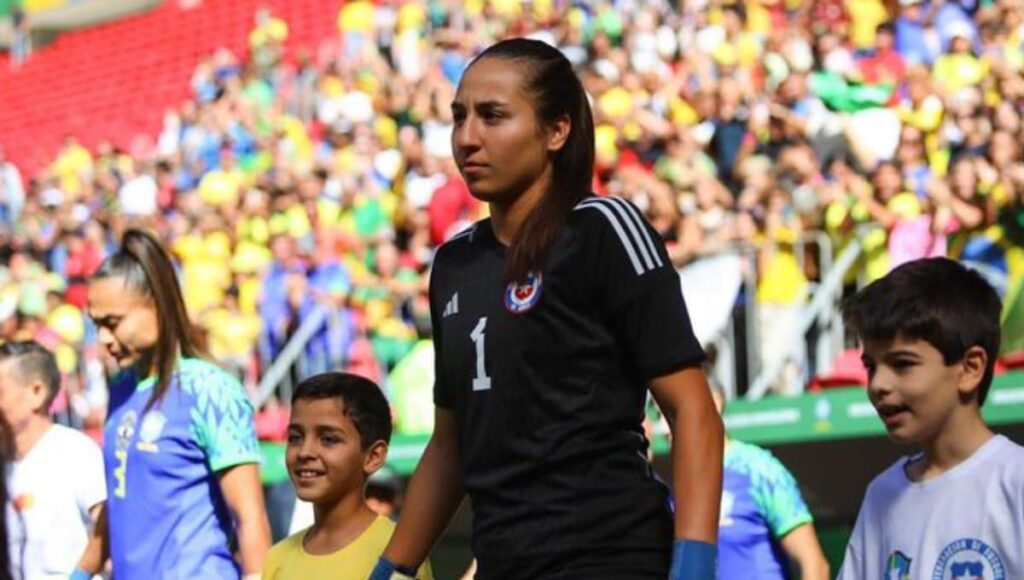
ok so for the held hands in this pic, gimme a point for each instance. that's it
(694, 560)
(388, 570)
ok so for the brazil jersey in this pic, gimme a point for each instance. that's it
(548, 381)
(168, 518)
(761, 503)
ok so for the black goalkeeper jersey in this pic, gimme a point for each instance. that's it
(548, 381)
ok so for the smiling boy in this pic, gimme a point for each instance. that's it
(930, 331)
(338, 436)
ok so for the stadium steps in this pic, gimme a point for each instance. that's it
(114, 81)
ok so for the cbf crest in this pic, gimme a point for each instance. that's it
(520, 298)
(149, 432)
(126, 429)
(969, 559)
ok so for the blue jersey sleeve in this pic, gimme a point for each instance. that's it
(778, 495)
(222, 418)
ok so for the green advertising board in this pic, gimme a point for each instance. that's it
(840, 413)
(844, 413)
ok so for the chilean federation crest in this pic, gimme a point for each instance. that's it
(520, 298)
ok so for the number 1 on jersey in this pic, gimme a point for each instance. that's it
(481, 382)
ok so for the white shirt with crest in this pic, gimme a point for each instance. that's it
(965, 523)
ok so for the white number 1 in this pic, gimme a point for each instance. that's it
(481, 382)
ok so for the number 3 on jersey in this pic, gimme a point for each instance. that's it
(120, 472)
(481, 382)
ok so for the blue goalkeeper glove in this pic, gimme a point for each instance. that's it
(693, 560)
(80, 574)
(388, 570)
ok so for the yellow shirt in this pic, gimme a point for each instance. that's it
(865, 16)
(927, 116)
(356, 17)
(205, 269)
(71, 164)
(783, 282)
(232, 333)
(288, 560)
(953, 72)
(221, 188)
(273, 30)
(411, 16)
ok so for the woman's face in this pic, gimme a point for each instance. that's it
(911, 149)
(126, 321)
(387, 259)
(964, 179)
(1004, 149)
(960, 45)
(918, 89)
(1007, 118)
(499, 145)
(888, 182)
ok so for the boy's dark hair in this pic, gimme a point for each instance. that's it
(364, 403)
(937, 300)
(33, 362)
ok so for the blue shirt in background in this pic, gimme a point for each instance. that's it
(761, 503)
(167, 516)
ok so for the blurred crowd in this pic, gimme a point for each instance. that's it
(293, 181)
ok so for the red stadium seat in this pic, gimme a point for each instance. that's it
(847, 370)
(1012, 361)
(141, 65)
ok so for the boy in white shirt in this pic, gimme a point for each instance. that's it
(55, 484)
(930, 331)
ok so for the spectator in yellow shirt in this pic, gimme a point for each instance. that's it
(356, 25)
(232, 335)
(959, 67)
(222, 187)
(865, 16)
(267, 39)
(73, 166)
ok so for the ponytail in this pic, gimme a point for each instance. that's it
(146, 267)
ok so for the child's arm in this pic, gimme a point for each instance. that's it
(97, 551)
(434, 494)
(801, 545)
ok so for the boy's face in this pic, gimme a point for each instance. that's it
(912, 388)
(325, 458)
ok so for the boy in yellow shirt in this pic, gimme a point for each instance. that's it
(337, 437)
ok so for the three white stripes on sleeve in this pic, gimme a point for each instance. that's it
(629, 226)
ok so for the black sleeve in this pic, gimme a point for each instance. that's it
(443, 397)
(639, 288)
